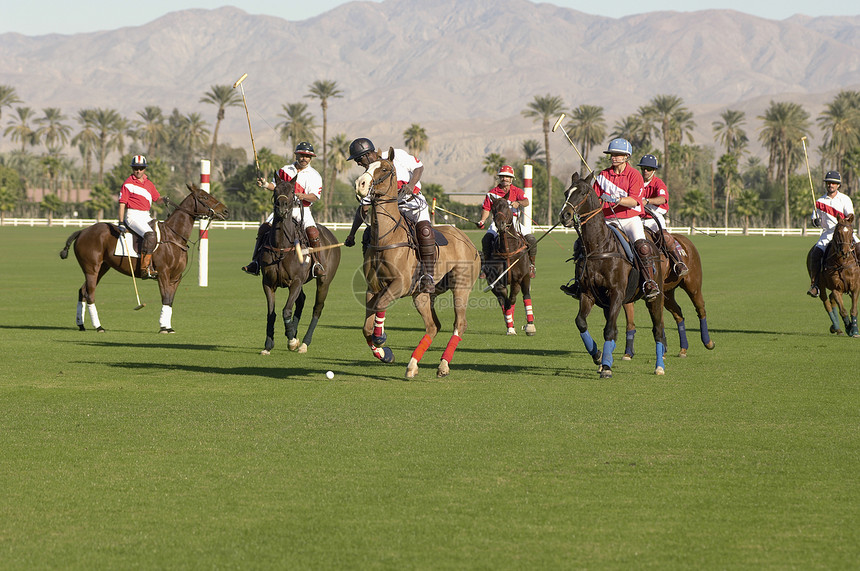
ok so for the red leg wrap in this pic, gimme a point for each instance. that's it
(451, 347)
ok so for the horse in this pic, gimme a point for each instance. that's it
(283, 265)
(691, 284)
(391, 264)
(841, 275)
(95, 248)
(609, 279)
(511, 258)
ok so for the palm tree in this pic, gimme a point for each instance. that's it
(784, 125)
(22, 131)
(87, 141)
(747, 204)
(638, 129)
(53, 131)
(51, 204)
(105, 125)
(151, 129)
(415, 139)
(324, 90)
(544, 109)
(587, 126)
(222, 96)
(694, 205)
(339, 145)
(8, 97)
(729, 131)
(667, 110)
(840, 122)
(727, 167)
(533, 152)
(298, 124)
(493, 162)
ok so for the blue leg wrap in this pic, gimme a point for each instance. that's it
(608, 348)
(834, 318)
(682, 335)
(703, 325)
(660, 351)
(628, 347)
(590, 345)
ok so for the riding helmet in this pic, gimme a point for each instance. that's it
(359, 148)
(305, 148)
(507, 170)
(833, 176)
(619, 147)
(138, 161)
(649, 162)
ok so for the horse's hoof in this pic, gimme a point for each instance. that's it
(683, 352)
(166, 330)
(710, 345)
(303, 348)
(597, 358)
(511, 331)
(412, 368)
(605, 373)
(379, 341)
(81, 328)
(659, 371)
(530, 329)
(835, 330)
(626, 357)
(265, 352)
(387, 355)
(100, 329)
(443, 370)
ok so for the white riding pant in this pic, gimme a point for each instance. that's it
(138, 221)
(301, 214)
(632, 227)
(651, 223)
(827, 237)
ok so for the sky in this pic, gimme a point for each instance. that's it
(39, 17)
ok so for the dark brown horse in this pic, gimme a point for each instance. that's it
(391, 264)
(509, 267)
(609, 278)
(282, 265)
(95, 248)
(692, 284)
(841, 275)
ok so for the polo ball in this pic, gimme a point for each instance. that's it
(329, 374)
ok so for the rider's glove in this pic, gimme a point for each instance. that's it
(816, 222)
(480, 224)
(350, 241)
(121, 228)
(611, 200)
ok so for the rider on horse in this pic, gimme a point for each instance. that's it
(621, 188)
(656, 194)
(135, 201)
(516, 198)
(829, 209)
(411, 203)
(308, 183)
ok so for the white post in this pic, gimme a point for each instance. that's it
(526, 224)
(203, 266)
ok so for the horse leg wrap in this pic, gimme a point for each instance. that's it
(608, 348)
(628, 345)
(703, 326)
(682, 335)
(166, 315)
(94, 315)
(660, 351)
(530, 316)
(309, 334)
(451, 347)
(590, 344)
(423, 345)
(834, 319)
(509, 316)
(379, 324)
(79, 316)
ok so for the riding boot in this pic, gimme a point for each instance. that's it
(813, 266)
(427, 256)
(573, 287)
(146, 250)
(532, 243)
(313, 234)
(254, 267)
(675, 252)
(646, 257)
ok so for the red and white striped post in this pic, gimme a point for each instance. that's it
(527, 189)
(203, 266)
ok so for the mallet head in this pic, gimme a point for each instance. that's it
(240, 80)
(558, 122)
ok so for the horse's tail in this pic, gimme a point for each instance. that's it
(64, 253)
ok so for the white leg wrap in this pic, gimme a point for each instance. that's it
(79, 317)
(166, 314)
(94, 315)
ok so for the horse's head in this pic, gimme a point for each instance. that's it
(576, 196)
(284, 199)
(201, 204)
(843, 237)
(503, 216)
(379, 180)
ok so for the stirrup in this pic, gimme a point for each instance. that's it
(531, 271)
(317, 270)
(681, 269)
(655, 290)
(149, 274)
(813, 291)
(426, 284)
(253, 268)
(571, 289)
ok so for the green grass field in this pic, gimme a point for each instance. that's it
(131, 449)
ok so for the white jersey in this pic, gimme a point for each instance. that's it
(830, 211)
(307, 181)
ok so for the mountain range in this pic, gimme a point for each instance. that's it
(462, 69)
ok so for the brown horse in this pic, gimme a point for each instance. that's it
(508, 269)
(96, 244)
(391, 264)
(692, 284)
(841, 275)
(609, 279)
(282, 266)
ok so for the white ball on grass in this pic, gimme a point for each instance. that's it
(329, 374)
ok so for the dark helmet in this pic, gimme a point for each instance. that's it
(833, 176)
(138, 161)
(359, 148)
(305, 148)
(648, 161)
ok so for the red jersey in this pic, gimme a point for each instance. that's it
(609, 185)
(516, 195)
(138, 194)
(655, 188)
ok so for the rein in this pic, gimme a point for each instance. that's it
(398, 222)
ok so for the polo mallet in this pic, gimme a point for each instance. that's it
(299, 253)
(545, 234)
(303, 253)
(453, 214)
(501, 275)
(131, 268)
(809, 173)
(245, 103)
(569, 140)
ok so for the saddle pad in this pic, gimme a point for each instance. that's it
(125, 246)
(440, 238)
(624, 243)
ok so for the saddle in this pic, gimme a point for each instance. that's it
(438, 237)
(130, 242)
